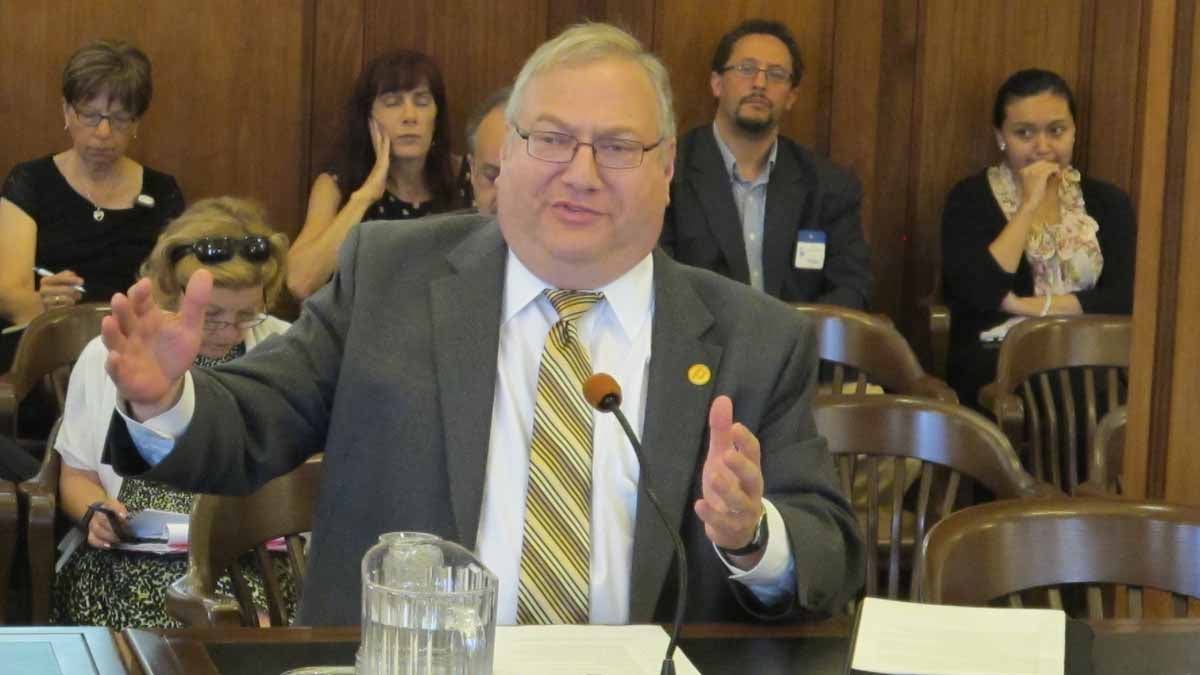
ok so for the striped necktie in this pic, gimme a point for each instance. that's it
(556, 549)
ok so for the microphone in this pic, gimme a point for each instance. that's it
(604, 394)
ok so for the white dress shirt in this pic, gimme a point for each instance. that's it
(750, 197)
(617, 335)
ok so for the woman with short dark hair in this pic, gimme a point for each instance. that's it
(1030, 236)
(393, 163)
(86, 217)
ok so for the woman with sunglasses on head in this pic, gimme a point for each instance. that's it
(86, 217)
(393, 163)
(1030, 236)
(100, 585)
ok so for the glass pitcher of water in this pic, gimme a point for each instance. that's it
(428, 608)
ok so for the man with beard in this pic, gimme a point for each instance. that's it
(756, 206)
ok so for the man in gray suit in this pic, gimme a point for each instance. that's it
(417, 371)
(756, 206)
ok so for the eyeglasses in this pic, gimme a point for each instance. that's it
(611, 153)
(116, 122)
(214, 326)
(750, 70)
(211, 250)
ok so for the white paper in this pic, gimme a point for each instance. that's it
(584, 650)
(153, 523)
(905, 637)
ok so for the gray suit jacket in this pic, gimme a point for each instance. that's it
(391, 370)
(806, 192)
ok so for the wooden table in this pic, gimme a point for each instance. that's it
(1121, 647)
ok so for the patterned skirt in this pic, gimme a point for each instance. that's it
(126, 589)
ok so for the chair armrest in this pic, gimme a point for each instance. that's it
(189, 603)
(40, 494)
(1007, 409)
(8, 405)
(8, 538)
(932, 387)
(939, 337)
(1091, 488)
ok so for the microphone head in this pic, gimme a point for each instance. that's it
(602, 392)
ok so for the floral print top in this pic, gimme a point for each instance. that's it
(1065, 256)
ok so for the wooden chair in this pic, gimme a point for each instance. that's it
(947, 441)
(1112, 548)
(223, 528)
(8, 540)
(936, 324)
(40, 495)
(1055, 379)
(1108, 456)
(47, 350)
(859, 348)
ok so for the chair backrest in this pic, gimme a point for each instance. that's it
(1055, 379)
(1110, 549)
(858, 349)
(48, 348)
(223, 528)
(905, 437)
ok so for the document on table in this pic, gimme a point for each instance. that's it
(584, 650)
(904, 637)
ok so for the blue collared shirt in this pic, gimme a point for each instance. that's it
(750, 198)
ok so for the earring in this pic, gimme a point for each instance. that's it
(1003, 146)
(66, 126)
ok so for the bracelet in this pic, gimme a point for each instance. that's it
(1046, 305)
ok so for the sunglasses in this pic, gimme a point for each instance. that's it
(211, 250)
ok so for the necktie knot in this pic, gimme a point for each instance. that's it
(571, 305)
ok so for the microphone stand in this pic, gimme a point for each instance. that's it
(611, 403)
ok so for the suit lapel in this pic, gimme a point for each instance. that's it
(786, 194)
(710, 180)
(466, 337)
(675, 426)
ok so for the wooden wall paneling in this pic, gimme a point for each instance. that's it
(1149, 366)
(871, 130)
(635, 16)
(337, 58)
(228, 115)
(967, 49)
(1111, 63)
(687, 32)
(479, 45)
(1181, 221)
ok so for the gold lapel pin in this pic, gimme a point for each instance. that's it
(699, 374)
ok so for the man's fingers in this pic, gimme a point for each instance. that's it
(122, 311)
(720, 423)
(111, 334)
(195, 300)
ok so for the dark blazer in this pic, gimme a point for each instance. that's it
(806, 192)
(391, 369)
(974, 284)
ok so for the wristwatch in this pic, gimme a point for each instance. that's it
(757, 543)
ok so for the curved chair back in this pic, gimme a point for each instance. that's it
(1114, 548)
(940, 442)
(48, 348)
(858, 349)
(223, 528)
(1055, 379)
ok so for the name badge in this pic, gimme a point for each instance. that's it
(810, 250)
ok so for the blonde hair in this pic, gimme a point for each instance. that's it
(588, 42)
(216, 217)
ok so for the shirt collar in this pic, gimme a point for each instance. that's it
(731, 161)
(630, 296)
